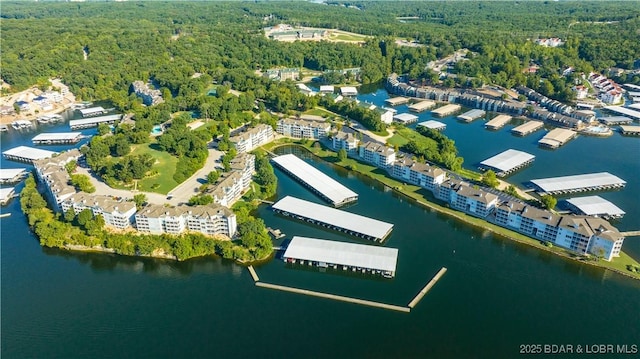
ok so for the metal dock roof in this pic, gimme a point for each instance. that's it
(434, 125)
(28, 153)
(56, 136)
(624, 111)
(347, 220)
(7, 174)
(405, 117)
(87, 121)
(342, 253)
(577, 182)
(326, 186)
(595, 205)
(91, 110)
(508, 160)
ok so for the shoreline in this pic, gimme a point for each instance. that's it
(530, 242)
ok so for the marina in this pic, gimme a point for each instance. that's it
(92, 111)
(12, 175)
(615, 120)
(6, 194)
(497, 122)
(326, 187)
(54, 138)
(347, 222)
(422, 106)
(527, 128)
(594, 206)
(405, 118)
(50, 119)
(624, 111)
(630, 130)
(507, 162)
(446, 110)
(557, 137)
(342, 255)
(434, 125)
(93, 122)
(579, 183)
(21, 125)
(27, 154)
(471, 115)
(396, 101)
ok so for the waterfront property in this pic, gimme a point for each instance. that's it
(207, 219)
(348, 91)
(53, 174)
(615, 120)
(92, 111)
(148, 95)
(434, 125)
(422, 106)
(345, 140)
(54, 138)
(27, 154)
(419, 174)
(471, 115)
(299, 128)
(378, 154)
(624, 111)
(527, 128)
(116, 213)
(395, 101)
(348, 256)
(94, 122)
(321, 184)
(557, 137)
(446, 110)
(405, 118)
(507, 162)
(579, 183)
(350, 223)
(630, 130)
(12, 175)
(6, 194)
(594, 206)
(497, 122)
(252, 138)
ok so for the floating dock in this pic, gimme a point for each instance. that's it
(27, 154)
(472, 115)
(507, 162)
(348, 91)
(396, 101)
(434, 125)
(253, 273)
(595, 206)
(422, 106)
(341, 255)
(12, 175)
(527, 128)
(54, 138)
(334, 297)
(6, 194)
(624, 111)
(579, 183)
(446, 110)
(92, 111)
(93, 122)
(557, 137)
(497, 122)
(615, 120)
(630, 130)
(427, 287)
(326, 187)
(350, 223)
(405, 118)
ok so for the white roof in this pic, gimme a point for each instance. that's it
(578, 181)
(29, 153)
(624, 111)
(436, 125)
(56, 136)
(91, 110)
(615, 119)
(10, 173)
(633, 93)
(348, 90)
(5, 193)
(405, 117)
(99, 119)
(347, 220)
(508, 160)
(595, 205)
(331, 189)
(635, 106)
(342, 253)
(326, 88)
(472, 114)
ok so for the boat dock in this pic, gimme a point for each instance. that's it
(12, 175)
(446, 110)
(579, 183)
(396, 101)
(615, 120)
(594, 206)
(624, 111)
(427, 287)
(527, 128)
(434, 125)
(6, 194)
(557, 137)
(347, 222)
(276, 233)
(507, 162)
(253, 273)
(92, 111)
(405, 118)
(422, 106)
(326, 187)
(54, 138)
(27, 154)
(630, 130)
(93, 122)
(497, 122)
(472, 115)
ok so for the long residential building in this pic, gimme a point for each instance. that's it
(253, 138)
(116, 213)
(420, 174)
(378, 154)
(345, 140)
(208, 219)
(299, 128)
(52, 173)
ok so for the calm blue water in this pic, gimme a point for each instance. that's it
(495, 296)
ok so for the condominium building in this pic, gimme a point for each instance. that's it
(420, 174)
(52, 172)
(345, 140)
(208, 219)
(228, 188)
(299, 128)
(252, 138)
(473, 201)
(378, 154)
(245, 164)
(118, 214)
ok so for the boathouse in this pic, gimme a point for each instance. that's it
(54, 138)
(507, 162)
(497, 122)
(434, 125)
(27, 154)
(422, 106)
(446, 110)
(12, 175)
(341, 255)
(92, 111)
(93, 122)
(594, 206)
(471, 115)
(6, 194)
(557, 137)
(326, 187)
(405, 118)
(579, 183)
(527, 128)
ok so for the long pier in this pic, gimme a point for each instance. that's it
(427, 287)
(253, 273)
(334, 297)
(631, 233)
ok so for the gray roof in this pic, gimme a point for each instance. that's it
(335, 192)
(56, 136)
(347, 220)
(99, 119)
(91, 110)
(566, 183)
(472, 114)
(615, 119)
(508, 160)
(436, 125)
(595, 205)
(342, 253)
(405, 117)
(29, 153)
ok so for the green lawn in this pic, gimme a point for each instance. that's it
(396, 139)
(165, 166)
(319, 112)
(344, 36)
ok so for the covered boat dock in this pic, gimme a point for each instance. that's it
(594, 206)
(12, 175)
(497, 122)
(6, 194)
(527, 128)
(446, 110)
(396, 101)
(405, 118)
(27, 154)
(579, 183)
(54, 138)
(434, 125)
(92, 111)
(507, 162)
(557, 137)
(471, 115)
(422, 106)
(93, 122)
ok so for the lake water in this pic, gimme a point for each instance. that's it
(495, 296)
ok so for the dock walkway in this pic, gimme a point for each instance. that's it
(427, 287)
